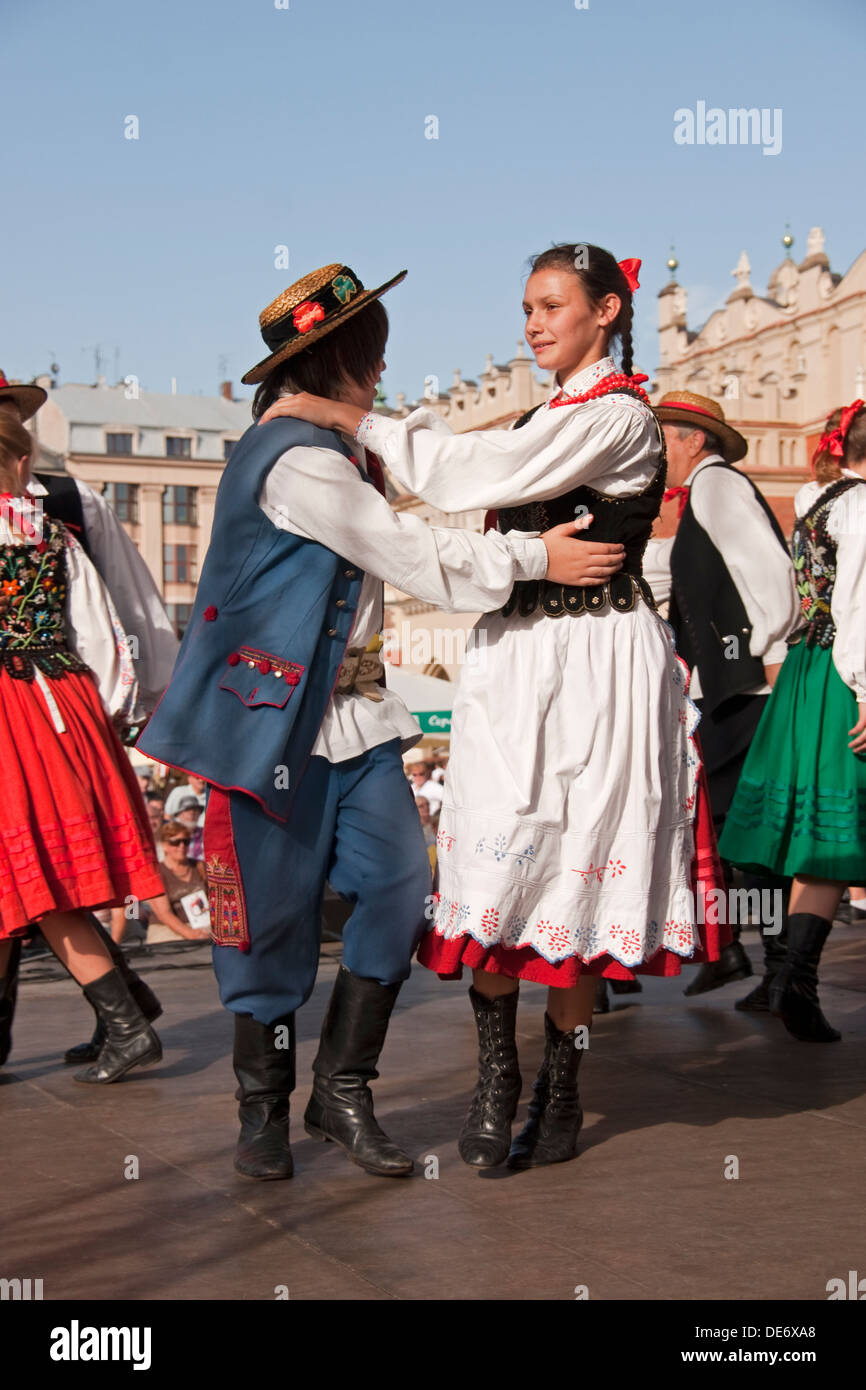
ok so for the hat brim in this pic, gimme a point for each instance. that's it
(734, 446)
(27, 398)
(261, 369)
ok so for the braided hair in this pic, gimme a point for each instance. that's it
(600, 274)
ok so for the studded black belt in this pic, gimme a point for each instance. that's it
(621, 593)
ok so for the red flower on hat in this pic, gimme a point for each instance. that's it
(306, 315)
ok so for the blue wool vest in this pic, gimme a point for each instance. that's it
(268, 632)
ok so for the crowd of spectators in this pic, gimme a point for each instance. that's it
(426, 775)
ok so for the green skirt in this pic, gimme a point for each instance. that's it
(800, 804)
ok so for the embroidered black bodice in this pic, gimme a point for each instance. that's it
(628, 520)
(814, 553)
(32, 601)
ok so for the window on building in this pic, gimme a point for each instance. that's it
(118, 443)
(228, 445)
(179, 506)
(177, 447)
(123, 497)
(179, 615)
(178, 564)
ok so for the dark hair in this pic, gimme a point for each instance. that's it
(351, 352)
(825, 465)
(599, 273)
(855, 439)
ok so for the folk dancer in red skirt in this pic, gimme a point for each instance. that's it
(74, 834)
(95, 524)
(573, 832)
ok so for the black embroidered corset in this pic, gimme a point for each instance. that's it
(627, 520)
(32, 601)
(814, 554)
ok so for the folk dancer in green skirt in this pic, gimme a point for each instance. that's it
(800, 805)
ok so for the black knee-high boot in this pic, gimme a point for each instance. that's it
(486, 1134)
(555, 1114)
(264, 1063)
(8, 996)
(341, 1106)
(794, 990)
(129, 1039)
(757, 1001)
(138, 988)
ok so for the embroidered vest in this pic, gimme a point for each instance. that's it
(32, 602)
(628, 520)
(814, 551)
(268, 632)
(706, 611)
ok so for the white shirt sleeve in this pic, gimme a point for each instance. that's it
(134, 594)
(762, 570)
(95, 633)
(847, 522)
(657, 567)
(317, 493)
(610, 442)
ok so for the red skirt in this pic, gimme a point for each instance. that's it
(448, 957)
(74, 833)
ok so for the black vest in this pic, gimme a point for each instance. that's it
(628, 520)
(63, 502)
(706, 610)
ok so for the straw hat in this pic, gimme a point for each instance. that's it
(702, 412)
(309, 309)
(27, 398)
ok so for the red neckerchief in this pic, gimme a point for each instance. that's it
(682, 493)
(375, 471)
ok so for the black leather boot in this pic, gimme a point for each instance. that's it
(555, 1116)
(486, 1134)
(141, 993)
(733, 964)
(8, 996)
(794, 990)
(626, 986)
(601, 1003)
(775, 953)
(266, 1079)
(129, 1039)
(341, 1106)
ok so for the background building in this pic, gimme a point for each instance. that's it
(158, 459)
(779, 362)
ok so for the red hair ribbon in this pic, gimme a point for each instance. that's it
(630, 269)
(835, 439)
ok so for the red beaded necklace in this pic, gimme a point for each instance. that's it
(615, 382)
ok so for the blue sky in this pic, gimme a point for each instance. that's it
(305, 127)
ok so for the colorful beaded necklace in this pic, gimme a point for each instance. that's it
(617, 381)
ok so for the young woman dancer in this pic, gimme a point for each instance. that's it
(800, 804)
(73, 828)
(567, 834)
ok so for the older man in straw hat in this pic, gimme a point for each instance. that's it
(729, 581)
(275, 703)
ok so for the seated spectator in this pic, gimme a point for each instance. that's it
(192, 787)
(143, 777)
(185, 901)
(440, 764)
(426, 821)
(422, 783)
(155, 807)
(189, 815)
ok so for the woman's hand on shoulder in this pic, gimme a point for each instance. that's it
(578, 562)
(316, 410)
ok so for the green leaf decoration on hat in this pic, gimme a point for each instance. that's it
(344, 288)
